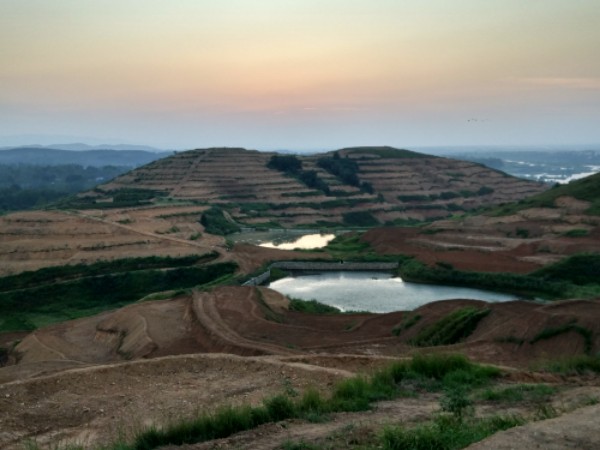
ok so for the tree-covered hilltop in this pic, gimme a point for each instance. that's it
(27, 186)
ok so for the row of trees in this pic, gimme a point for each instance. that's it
(291, 165)
(345, 169)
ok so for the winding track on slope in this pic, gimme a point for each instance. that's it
(208, 316)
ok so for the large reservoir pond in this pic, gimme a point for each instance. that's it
(375, 292)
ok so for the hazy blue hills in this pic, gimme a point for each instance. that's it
(44, 156)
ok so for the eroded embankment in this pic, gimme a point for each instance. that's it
(253, 321)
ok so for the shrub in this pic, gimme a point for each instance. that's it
(280, 407)
(345, 169)
(215, 222)
(310, 179)
(577, 232)
(313, 406)
(456, 402)
(352, 394)
(360, 219)
(438, 365)
(485, 190)
(580, 269)
(312, 307)
(453, 328)
(285, 163)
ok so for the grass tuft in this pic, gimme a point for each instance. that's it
(576, 365)
(446, 433)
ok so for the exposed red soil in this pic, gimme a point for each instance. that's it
(251, 257)
(238, 320)
(410, 241)
(66, 386)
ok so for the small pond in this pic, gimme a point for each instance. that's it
(375, 292)
(284, 239)
(306, 242)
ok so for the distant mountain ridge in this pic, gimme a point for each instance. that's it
(91, 156)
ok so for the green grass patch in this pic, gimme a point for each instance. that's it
(575, 365)
(453, 328)
(446, 433)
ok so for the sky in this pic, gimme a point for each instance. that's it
(300, 74)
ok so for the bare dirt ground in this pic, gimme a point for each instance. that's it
(32, 240)
(519, 243)
(90, 379)
(95, 404)
(577, 430)
(239, 320)
(37, 239)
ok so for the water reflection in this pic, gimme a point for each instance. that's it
(374, 291)
(307, 241)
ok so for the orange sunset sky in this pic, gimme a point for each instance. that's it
(300, 74)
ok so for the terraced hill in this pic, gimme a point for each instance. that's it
(385, 186)
(87, 381)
